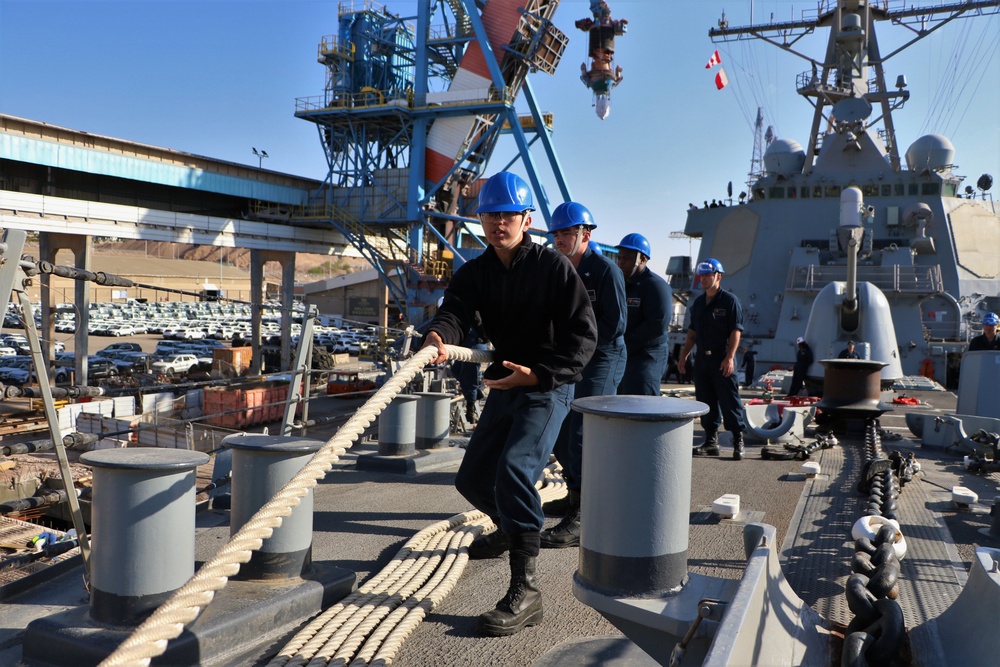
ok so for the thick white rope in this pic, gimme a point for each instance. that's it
(149, 639)
(379, 610)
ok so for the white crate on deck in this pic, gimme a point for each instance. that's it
(124, 406)
(161, 402)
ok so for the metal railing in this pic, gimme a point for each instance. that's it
(893, 279)
(333, 45)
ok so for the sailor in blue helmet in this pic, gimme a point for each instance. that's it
(649, 302)
(535, 310)
(715, 327)
(987, 340)
(570, 227)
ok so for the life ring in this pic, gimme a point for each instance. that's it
(927, 369)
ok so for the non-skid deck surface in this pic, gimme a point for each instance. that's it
(818, 547)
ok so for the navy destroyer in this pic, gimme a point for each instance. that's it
(927, 241)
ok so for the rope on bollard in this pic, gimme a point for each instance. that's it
(150, 638)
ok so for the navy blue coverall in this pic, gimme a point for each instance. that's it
(749, 367)
(605, 286)
(537, 314)
(803, 360)
(981, 342)
(649, 302)
(712, 323)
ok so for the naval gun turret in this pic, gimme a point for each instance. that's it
(850, 310)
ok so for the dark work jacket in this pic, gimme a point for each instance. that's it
(713, 322)
(536, 313)
(981, 342)
(605, 287)
(649, 302)
(803, 358)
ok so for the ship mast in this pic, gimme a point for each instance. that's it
(839, 88)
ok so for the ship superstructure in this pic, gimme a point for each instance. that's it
(932, 247)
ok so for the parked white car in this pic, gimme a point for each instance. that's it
(175, 364)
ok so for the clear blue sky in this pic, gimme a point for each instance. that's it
(216, 78)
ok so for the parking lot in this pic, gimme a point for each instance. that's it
(164, 338)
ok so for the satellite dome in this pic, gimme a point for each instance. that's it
(784, 157)
(931, 151)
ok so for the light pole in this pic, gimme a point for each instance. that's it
(261, 154)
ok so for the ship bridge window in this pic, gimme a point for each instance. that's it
(949, 189)
(913, 190)
(930, 188)
(898, 189)
(817, 191)
(758, 193)
(804, 192)
(792, 191)
(776, 192)
(870, 190)
(886, 190)
(832, 191)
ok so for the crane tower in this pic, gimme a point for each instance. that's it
(411, 111)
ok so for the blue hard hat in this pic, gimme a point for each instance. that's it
(505, 192)
(709, 266)
(596, 247)
(991, 319)
(635, 242)
(570, 214)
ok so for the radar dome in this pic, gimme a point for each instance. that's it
(931, 151)
(784, 157)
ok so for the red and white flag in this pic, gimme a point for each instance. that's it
(716, 59)
(721, 80)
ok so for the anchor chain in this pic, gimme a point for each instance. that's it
(877, 630)
(799, 450)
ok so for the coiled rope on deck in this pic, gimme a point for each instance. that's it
(389, 607)
(150, 638)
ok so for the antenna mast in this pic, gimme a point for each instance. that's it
(757, 161)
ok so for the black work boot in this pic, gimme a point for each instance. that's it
(711, 445)
(738, 446)
(470, 413)
(521, 606)
(560, 506)
(566, 533)
(492, 545)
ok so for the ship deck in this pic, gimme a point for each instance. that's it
(362, 518)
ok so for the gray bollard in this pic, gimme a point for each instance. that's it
(433, 419)
(397, 427)
(636, 493)
(143, 520)
(262, 465)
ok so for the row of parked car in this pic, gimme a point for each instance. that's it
(180, 320)
(117, 359)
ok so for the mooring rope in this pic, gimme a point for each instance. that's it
(387, 609)
(150, 638)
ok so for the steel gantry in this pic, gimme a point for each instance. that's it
(410, 114)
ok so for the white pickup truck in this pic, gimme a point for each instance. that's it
(175, 364)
